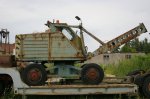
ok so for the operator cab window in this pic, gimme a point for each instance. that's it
(67, 33)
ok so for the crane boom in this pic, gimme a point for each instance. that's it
(120, 40)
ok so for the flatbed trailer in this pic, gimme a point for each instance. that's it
(20, 88)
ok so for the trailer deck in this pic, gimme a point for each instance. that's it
(78, 89)
(20, 88)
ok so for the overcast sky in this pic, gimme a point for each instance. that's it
(104, 18)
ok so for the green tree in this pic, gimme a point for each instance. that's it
(127, 48)
(137, 46)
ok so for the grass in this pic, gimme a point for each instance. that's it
(124, 67)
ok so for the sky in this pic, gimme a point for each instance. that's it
(106, 19)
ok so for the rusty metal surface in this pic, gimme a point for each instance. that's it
(47, 46)
(6, 61)
(6, 48)
(79, 89)
(122, 39)
(104, 85)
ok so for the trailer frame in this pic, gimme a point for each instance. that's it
(20, 88)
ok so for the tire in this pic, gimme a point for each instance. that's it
(34, 75)
(140, 92)
(139, 80)
(92, 74)
(2, 88)
(146, 87)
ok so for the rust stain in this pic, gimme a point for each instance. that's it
(87, 86)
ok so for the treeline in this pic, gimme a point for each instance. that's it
(136, 46)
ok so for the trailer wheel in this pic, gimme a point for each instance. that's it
(2, 88)
(146, 87)
(34, 75)
(140, 91)
(92, 74)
